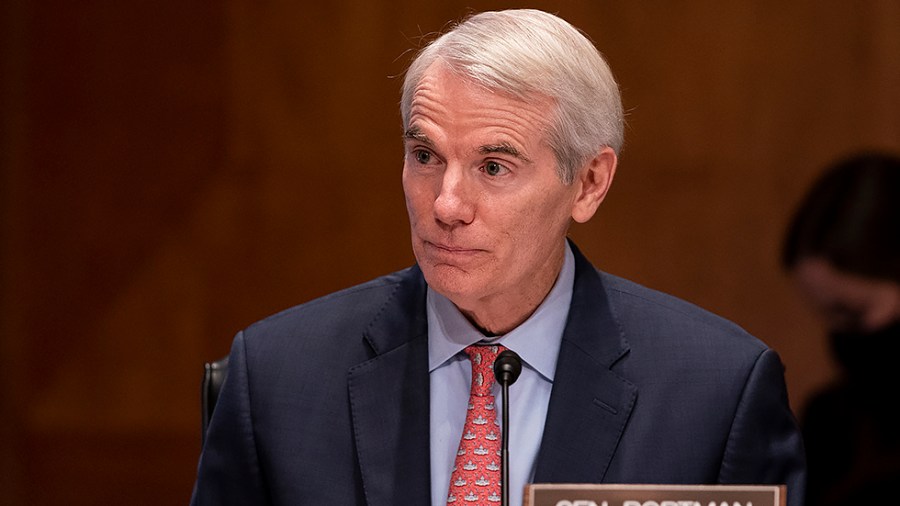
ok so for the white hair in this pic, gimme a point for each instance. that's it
(523, 52)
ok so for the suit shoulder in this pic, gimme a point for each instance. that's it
(644, 308)
(351, 306)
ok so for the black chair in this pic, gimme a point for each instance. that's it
(213, 376)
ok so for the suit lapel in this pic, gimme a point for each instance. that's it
(389, 398)
(589, 403)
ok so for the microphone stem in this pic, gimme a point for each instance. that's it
(504, 438)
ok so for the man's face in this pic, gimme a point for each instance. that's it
(487, 211)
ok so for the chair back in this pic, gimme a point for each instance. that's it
(213, 376)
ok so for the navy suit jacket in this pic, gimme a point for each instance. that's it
(328, 402)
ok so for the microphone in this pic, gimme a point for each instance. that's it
(507, 367)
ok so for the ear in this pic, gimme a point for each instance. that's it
(593, 181)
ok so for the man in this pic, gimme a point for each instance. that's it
(512, 127)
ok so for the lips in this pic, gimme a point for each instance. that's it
(449, 248)
(450, 252)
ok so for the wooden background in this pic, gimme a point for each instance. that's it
(173, 171)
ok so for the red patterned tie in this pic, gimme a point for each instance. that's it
(476, 473)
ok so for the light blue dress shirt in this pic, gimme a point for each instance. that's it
(537, 342)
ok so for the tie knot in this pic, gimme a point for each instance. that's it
(482, 358)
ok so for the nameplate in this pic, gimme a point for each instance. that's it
(561, 494)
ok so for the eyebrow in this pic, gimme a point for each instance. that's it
(504, 148)
(413, 133)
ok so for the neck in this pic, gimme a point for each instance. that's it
(500, 314)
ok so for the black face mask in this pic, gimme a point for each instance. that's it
(871, 358)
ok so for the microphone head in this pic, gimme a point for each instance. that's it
(507, 367)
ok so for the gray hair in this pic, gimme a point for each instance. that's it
(523, 52)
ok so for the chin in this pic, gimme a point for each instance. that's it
(451, 282)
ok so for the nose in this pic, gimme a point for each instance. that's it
(455, 202)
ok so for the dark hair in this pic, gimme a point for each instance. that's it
(851, 218)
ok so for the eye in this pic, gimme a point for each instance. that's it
(492, 168)
(422, 156)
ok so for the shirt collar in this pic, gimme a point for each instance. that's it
(536, 340)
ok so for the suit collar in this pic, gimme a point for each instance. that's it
(389, 399)
(589, 403)
(592, 324)
(402, 316)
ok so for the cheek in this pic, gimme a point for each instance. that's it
(544, 220)
(416, 194)
(527, 232)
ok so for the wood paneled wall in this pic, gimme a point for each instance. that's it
(173, 171)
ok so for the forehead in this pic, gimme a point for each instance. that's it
(847, 300)
(824, 282)
(834, 289)
(455, 104)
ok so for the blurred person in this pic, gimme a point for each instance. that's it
(843, 252)
(512, 126)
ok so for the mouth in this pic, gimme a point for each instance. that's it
(450, 251)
